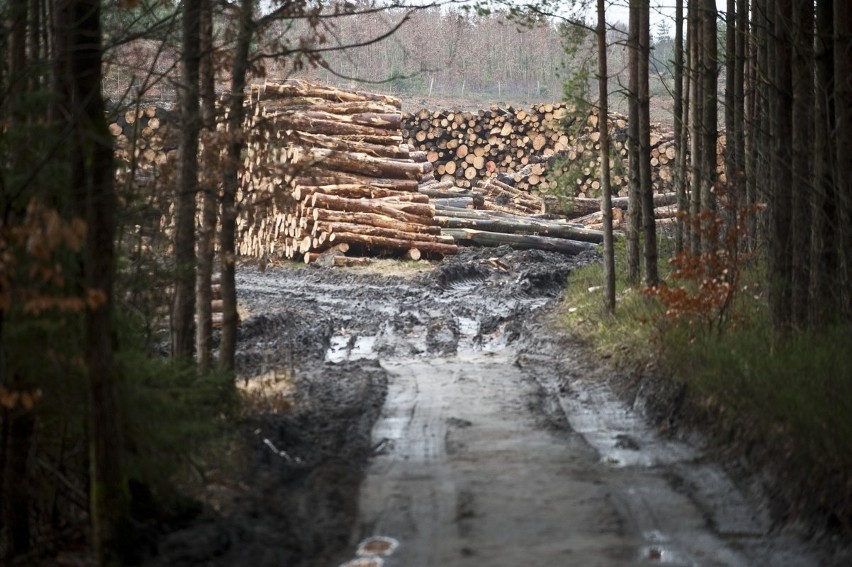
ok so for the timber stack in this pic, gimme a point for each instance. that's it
(142, 136)
(326, 169)
(547, 146)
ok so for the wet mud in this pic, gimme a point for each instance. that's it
(438, 418)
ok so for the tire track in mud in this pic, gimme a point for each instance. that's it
(493, 441)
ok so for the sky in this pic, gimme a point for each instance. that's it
(660, 10)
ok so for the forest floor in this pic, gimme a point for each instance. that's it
(440, 405)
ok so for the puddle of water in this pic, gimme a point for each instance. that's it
(363, 348)
(620, 436)
(468, 328)
(662, 555)
(337, 349)
(344, 347)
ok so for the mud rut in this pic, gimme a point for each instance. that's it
(442, 410)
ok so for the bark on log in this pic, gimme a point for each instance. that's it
(323, 177)
(296, 88)
(373, 219)
(335, 227)
(393, 210)
(555, 230)
(518, 241)
(341, 144)
(394, 243)
(358, 163)
(348, 190)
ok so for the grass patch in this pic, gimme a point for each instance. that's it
(785, 402)
(628, 335)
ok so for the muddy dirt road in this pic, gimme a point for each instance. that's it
(442, 410)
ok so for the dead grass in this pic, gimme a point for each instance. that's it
(273, 392)
(391, 267)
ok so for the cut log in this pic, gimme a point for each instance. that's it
(511, 226)
(358, 163)
(349, 190)
(337, 143)
(373, 219)
(296, 121)
(335, 227)
(323, 177)
(393, 210)
(441, 248)
(297, 88)
(518, 241)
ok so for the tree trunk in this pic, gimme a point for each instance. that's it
(634, 207)
(824, 307)
(696, 137)
(19, 426)
(207, 234)
(679, 126)
(183, 305)
(742, 41)
(710, 66)
(646, 191)
(780, 267)
(750, 122)
(227, 247)
(760, 180)
(731, 149)
(843, 147)
(606, 195)
(108, 487)
(802, 169)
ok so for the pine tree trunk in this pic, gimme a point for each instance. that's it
(17, 425)
(679, 125)
(606, 195)
(108, 487)
(710, 64)
(825, 304)
(696, 137)
(780, 205)
(227, 248)
(802, 169)
(634, 207)
(646, 190)
(183, 305)
(760, 178)
(739, 92)
(843, 146)
(731, 149)
(20, 425)
(207, 234)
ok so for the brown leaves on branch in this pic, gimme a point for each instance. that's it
(32, 275)
(704, 285)
(25, 399)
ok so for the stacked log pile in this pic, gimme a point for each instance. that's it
(142, 136)
(327, 167)
(495, 213)
(546, 146)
